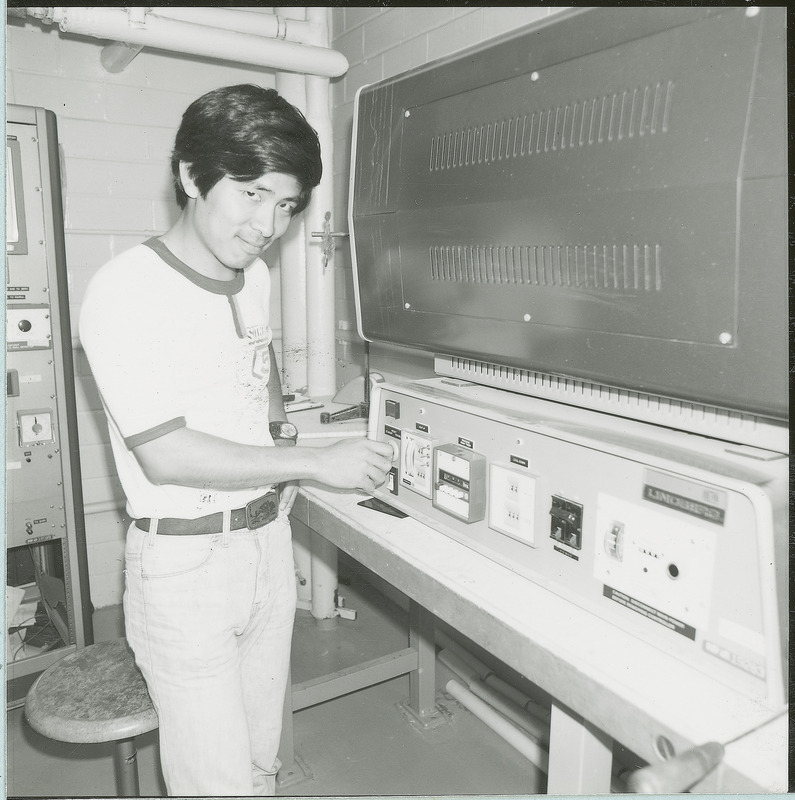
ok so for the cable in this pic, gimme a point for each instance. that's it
(679, 773)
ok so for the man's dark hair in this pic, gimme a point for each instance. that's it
(243, 132)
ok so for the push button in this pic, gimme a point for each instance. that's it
(392, 409)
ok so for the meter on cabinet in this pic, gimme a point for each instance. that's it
(459, 485)
(416, 454)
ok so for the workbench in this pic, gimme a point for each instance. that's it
(607, 685)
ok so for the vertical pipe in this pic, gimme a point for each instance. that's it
(302, 554)
(324, 581)
(320, 290)
(293, 255)
(293, 307)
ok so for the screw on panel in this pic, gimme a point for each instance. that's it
(725, 338)
(752, 12)
(407, 305)
(527, 317)
(534, 76)
(407, 113)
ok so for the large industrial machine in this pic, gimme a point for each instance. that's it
(586, 223)
(47, 600)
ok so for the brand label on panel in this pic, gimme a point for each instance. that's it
(654, 614)
(695, 499)
(421, 427)
(522, 462)
(465, 442)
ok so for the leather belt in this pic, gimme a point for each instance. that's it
(258, 513)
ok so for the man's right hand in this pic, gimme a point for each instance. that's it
(355, 464)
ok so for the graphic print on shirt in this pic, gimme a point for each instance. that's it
(253, 362)
(260, 363)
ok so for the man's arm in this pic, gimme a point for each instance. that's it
(186, 457)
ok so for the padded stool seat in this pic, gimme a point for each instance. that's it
(96, 694)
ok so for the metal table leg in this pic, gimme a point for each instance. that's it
(127, 768)
(422, 682)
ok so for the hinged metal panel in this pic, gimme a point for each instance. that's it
(602, 196)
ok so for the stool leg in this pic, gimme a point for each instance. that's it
(127, 768)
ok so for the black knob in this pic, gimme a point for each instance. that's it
(24, 325)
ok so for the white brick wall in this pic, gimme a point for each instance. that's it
(379, 43)
(116, 132)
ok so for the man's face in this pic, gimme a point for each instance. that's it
(237, 220)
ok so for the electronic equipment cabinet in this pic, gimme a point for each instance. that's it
(47, 592)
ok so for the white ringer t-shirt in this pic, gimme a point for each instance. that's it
(169, 348)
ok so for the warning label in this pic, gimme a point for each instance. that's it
(654, 614)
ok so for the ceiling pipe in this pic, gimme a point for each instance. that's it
(117, 56)
(275, 26)
(200, 40)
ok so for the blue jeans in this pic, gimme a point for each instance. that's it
(210, 620)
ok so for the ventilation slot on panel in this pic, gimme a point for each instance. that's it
(706, 420)
(619, 268)
(630, 113)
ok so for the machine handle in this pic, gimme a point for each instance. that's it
(677, 774)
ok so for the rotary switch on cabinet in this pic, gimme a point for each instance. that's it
(35, 427)
(614, 541)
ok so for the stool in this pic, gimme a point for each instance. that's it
(96, 694)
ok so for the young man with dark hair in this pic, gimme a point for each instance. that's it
(177, 334)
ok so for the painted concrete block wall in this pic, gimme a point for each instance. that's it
(116, 132)
(380, 43)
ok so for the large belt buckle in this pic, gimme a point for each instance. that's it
(262, 511)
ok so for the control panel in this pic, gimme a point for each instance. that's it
(37, 499)
(47, 573)
(677, 539)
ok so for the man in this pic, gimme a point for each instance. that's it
(176, 331)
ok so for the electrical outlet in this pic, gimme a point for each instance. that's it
(512, 503)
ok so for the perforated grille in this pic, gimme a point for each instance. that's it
(706, 420)
(619, 268)
(623, 115)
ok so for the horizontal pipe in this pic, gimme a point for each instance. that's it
(274, 26)
(512, 735)
(538, 728)
(200, 40)
(485, 674)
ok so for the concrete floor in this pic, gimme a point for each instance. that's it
(360, 744)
